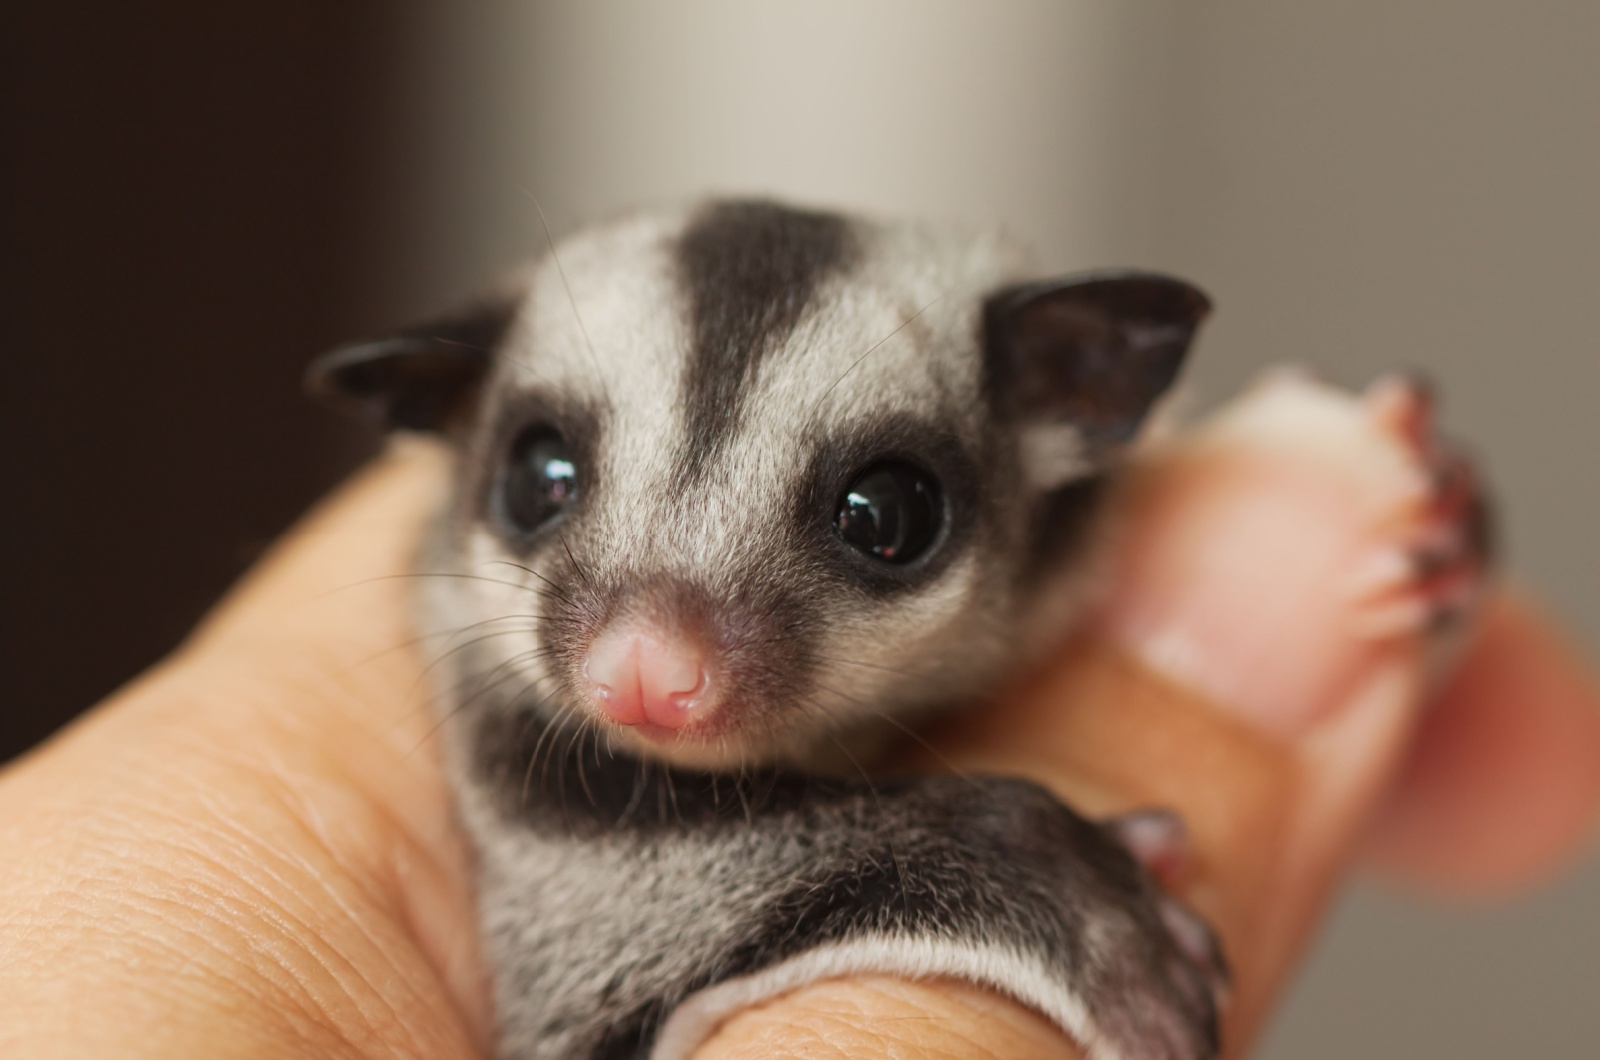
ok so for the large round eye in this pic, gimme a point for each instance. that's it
(540, 478)
(892, 512)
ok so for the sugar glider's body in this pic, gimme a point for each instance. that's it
(739, 486)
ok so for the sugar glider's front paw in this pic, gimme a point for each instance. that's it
(1159, 841)
(1170, 1008)
(1429, 575)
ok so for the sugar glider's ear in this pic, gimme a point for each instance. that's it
(419, 379)
(1078, 362)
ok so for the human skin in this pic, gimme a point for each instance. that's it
(250, 850)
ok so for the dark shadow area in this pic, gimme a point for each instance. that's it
(184, 212)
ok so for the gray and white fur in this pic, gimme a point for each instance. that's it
(719, 375)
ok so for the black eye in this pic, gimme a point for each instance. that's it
(540, 478)
(892, 512)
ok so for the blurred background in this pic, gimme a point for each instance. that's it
(196, 197)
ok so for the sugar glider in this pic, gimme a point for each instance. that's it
(740, 487)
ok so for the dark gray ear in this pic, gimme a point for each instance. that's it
(1093, 350)
(416, 380)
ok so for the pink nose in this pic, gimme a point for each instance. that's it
(639, 677)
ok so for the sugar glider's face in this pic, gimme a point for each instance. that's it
(740, 479)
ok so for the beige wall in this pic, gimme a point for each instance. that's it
(1360, 184)
(1052, 117)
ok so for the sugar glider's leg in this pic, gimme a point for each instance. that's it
(629, 907)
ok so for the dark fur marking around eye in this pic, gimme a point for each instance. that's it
(837, 462)
(748, 271)
(577, 422)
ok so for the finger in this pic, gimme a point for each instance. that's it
(1502, 786)
(248, 851)
(879, 1017)
(1233, 679)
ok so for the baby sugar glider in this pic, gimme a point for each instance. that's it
(739, 487)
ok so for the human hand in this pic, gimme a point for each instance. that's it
(250, 851)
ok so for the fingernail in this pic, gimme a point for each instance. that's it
(1258, 561)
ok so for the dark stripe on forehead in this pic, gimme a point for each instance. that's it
(748, 270)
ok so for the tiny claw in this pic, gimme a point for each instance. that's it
(1404, 404)
(1430, 579)
(1158, 840)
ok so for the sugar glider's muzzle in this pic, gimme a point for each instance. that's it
(654, 680)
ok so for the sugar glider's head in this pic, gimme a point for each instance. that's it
(737, 478)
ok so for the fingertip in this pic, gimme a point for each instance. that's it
(1502, 785)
